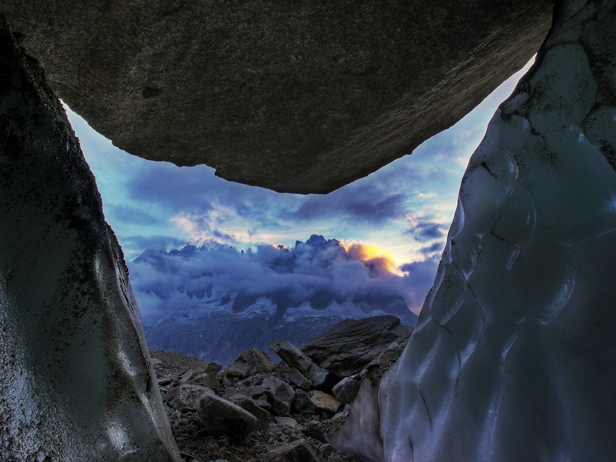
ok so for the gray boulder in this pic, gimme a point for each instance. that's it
(295, 96)
(221, 417)
(351, 344)
(318, 376)
(292, 375)
(279, 394)
(250, 405)
(185, 397)
(346, 390)
(251, 361)
(291, 355)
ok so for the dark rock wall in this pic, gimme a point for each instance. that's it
(75, 377)
(301, 96)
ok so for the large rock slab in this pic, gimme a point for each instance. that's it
(75, 376)
(294, 96)
(251, 361)
(351, 344)
(221, 417)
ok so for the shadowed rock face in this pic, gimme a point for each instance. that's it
(302, 96)
(514, 354)
(75, 377)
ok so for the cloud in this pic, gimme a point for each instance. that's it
(153, 242)
(318, 271)
(360, 202)
(133, 215)
(428, 231)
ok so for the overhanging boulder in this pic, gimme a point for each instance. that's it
(300, 97)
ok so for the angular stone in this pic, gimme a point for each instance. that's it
(291, 355)
(292, 375)
(351, 344)
(208, 367)
(302, 402)
(184, 398)
(279, 394)
(346, 390)
(221, 417)
(209, 380)
(324, 401)
(286, 421)
(294, 97)
(297, 451)
(250, 405)
(318, 376)
(251, 361)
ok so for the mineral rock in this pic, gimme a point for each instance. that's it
(185, 397)
(324, 401)
(351, 344)
(346, 390)
(297, 97)
(221, 417)
(291, 355)
(279, 394)
(250, 362)
(250, 405)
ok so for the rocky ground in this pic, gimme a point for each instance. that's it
(259, 411)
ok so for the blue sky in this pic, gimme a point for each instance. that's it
(404, 209)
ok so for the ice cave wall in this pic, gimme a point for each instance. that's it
(75, 379)
(514, 355)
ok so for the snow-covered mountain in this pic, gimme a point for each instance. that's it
(214, 301)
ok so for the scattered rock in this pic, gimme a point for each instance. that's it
(209, 380)
(291, 355)
(351, 344)
(325, 401)
(375, 369)
(250, 362)
(184, 398)
(279, 394)
(286, 421)
(302, 402)
(222, 417)
(208, 367)
(292, 375)
(346, 390)
(248, 404)
(298, 451)
(318, 376)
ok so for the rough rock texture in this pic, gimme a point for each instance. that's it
(514, 355)
(291, 355)
(346, 390)
(301, 96)
(222, 417)
(251, 361)
(351, 344)
(75, 376)
(273, 435)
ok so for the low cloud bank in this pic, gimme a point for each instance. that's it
(317, 271)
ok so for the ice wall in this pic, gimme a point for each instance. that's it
(75, 377)
(514, 355)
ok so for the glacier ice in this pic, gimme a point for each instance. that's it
(514, 354)
(75, 376)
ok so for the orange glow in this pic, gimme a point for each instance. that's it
(371, 254)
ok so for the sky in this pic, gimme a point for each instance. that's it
(401, 212)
